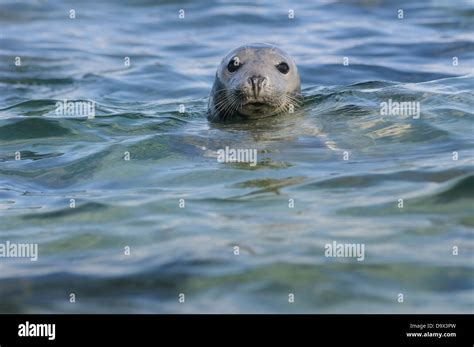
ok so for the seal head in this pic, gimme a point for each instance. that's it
(254, 81)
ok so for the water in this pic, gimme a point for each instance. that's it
(190, 250)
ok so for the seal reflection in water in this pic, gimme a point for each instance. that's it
(254, 81)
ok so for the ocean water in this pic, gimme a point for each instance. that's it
(339, 162)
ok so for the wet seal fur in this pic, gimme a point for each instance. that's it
(254, 81)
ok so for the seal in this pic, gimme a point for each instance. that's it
(254, 81)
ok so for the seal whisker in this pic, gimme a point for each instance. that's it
(226, 106)
(223, 102)
(234, 106)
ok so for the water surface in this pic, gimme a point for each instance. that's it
(135, 203)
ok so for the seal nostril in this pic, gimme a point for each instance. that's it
(251, 81)
(257, 83)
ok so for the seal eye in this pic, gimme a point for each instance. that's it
(283, 67)
(234, 64)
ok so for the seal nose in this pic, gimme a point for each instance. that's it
(257, 83)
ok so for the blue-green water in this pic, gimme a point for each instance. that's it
(135, 203)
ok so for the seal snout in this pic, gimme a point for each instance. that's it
(257, 83)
